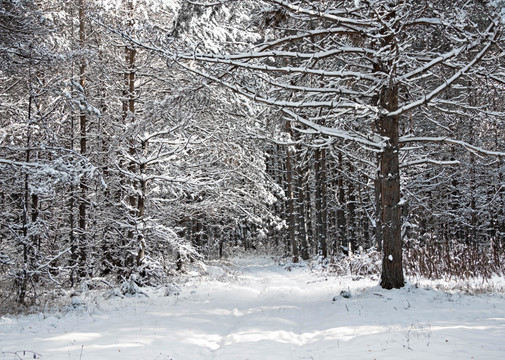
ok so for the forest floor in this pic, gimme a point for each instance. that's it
(256, 309)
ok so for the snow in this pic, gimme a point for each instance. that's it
(253, 308)
(447, 82)
(500, 7)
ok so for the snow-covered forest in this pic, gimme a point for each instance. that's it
(143, 139)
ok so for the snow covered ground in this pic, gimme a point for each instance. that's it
(255, 309)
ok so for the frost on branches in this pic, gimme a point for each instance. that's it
(367, 83)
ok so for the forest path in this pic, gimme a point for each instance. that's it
(255, 309)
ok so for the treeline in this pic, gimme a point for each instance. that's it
(111, 161)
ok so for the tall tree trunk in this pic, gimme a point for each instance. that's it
(137, 202)
(365, 223)
(283, 206)
(141, 205)
(83, 145)
(320, 175)
(72, 200)
(389, 178)
(309, 212)
(129, 118)
(351, 209)
(378, 212)
(341, 221)
(324, 204)
(290, 196)
(301, 223)
(22, 276)
(35, 238)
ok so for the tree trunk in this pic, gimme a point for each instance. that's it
(389, 178)
(320, 176)
(83, 150)
(352, 229)
(309, 223)
(324, 204)
(141, 206)
(129, 118)
(378, 217)
(302, 214)
(341, 223)
(291, 200)
(22, 276)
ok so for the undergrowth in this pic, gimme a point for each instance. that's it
(445, 266)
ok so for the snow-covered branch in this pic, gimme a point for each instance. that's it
(235, 87)
(448, 82)
(472, 148)
(346, 21)
(317, 55)
(429, 161)
(375, 78)
(332, 132)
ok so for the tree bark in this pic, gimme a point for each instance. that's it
(129, 118)
(320, 176)
(341, 221)
(83, 145)
(291, 200)
(302, 214)
(378, 217)
(324, 203)
(389, 179)
(351, 209)
(141, 205)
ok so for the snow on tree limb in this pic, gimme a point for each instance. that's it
(302, 35)
(472, 148)
(235, 87)
(336, 133)
(280, 69)
(429, 161)
(343, 20)
(277, 53)
(447, 83)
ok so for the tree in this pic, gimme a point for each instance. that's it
(357, 71)
(163, 190)
(37, 164)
